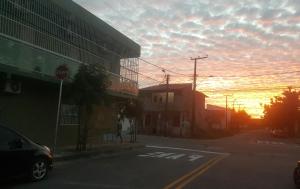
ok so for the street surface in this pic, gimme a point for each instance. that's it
(248, 160)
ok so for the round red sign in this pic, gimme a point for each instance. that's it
(62, 72)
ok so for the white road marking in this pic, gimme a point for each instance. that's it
(164, 155)
(195, 157)
(171, 156)
(269, 142)
(151, 154)
(175, 156)
(187, 149)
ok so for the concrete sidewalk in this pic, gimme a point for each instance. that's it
(104, 150)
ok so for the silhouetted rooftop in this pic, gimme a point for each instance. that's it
(172, 87)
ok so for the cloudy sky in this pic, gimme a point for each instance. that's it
(253, 46)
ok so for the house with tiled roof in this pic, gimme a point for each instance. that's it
(172, 118)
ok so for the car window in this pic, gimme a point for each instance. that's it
(7, 136)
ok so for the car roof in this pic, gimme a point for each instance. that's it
(16, 132)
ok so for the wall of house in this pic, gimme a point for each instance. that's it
(200, 111)
(33, 111)
(179, 112)
(103, 120)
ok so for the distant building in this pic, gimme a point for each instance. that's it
(38, 36)
(177, 120)
(216, 117)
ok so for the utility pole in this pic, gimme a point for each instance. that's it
(233, 104)
(226, 110)
(239, 106)
(166, 106)
(194, 92)
(226, 113)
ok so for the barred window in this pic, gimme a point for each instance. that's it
(69, 115)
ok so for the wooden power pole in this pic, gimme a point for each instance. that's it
(194, 93)
(166, 106)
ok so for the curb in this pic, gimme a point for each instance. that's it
(106, 151)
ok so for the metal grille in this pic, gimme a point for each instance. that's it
(47, 25)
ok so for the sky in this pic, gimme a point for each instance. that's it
(253, 46)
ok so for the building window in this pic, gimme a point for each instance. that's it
(155, 99)
(160, 100)
(171, 97)
(176, 119)
(148, 120)
(69, 115)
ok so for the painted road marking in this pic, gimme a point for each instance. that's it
(195, 157)
(189, 177)
(187, 149)
(171, 156)
(269, 142)
(175, 156)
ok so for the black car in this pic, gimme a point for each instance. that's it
(20, 157)
(297, 175)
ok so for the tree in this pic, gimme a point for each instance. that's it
(88, 89)
(132, 109)
(282, 112)
(239, 118)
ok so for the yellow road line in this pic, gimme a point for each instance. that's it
(187, 178)
(190, 179)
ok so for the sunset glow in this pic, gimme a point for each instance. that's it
(253, 46)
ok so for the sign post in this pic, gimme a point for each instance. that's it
(61, 73)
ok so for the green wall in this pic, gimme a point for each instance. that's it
(33, 112)
(32, 60)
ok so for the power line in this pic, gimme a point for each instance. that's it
(232, 76)
(177, 73)
(146, 76)
(256, 75)
(162, 68)
(251, 89)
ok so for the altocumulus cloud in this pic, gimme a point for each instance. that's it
(241, 37)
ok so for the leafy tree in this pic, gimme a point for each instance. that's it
(88, 89)
(131, 109)
(239, 118)
(282, 112)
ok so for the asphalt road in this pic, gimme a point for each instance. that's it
(248, 160)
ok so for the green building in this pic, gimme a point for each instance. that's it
(37, 36)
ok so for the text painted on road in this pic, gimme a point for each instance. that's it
(172, 156)
(269, 142)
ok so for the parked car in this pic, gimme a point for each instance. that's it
(297, 175)
(281, 133)
(21, 157)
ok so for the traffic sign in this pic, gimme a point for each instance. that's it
(62, 72)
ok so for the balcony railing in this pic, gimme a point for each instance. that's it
(122, 85)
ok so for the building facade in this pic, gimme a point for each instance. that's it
(216, 117)
(38, 36)
(172, 118)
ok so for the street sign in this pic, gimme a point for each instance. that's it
(62, 72)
